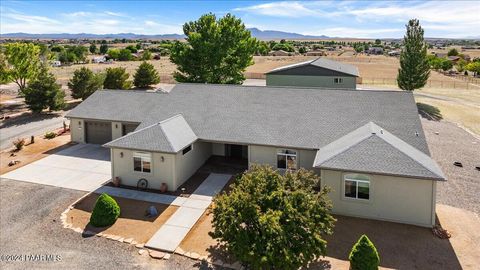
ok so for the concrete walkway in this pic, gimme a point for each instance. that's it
(171, 234)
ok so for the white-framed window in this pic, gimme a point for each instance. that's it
(337, 80)
(356, 186)
(142, 162)
(286, 159)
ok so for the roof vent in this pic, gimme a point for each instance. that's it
(416, 133)
(381, 131)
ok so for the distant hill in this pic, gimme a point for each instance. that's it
(265, 35)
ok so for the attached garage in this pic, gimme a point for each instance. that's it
(97, 132)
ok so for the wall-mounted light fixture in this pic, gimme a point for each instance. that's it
(79, 124)
(116, 125)
(121, 154)
(162, 158)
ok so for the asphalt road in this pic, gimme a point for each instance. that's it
(28, 126)
(30, 225)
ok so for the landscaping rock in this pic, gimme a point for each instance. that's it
(194, 255)
(156, 254)
(218, 262)
(128, 240)
(152, 211)
(88, 233)
(141, 251)
(120, 239)
(179, 251)
(134, 242)
(139, 245)
(167, 256)
(116, 238)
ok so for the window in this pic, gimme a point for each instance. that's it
(142, 162)
(357, 186)
(287, 159)
(187, 149)
(338, 80)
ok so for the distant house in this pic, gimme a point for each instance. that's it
(375, 50)
(330, 49)
(320, 72)
(279, 53)
(467, 57)
(316, 53)
(453, 59)
(393, 53)
(99, 59)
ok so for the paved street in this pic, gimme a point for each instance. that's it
(27, 127)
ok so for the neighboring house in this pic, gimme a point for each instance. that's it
(279, 53)
(320, 72)
(454, 59)
(375, 50)
(368, 146)
(316, 53)
(394, 53)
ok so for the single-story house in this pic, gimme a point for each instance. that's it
(320, 72)
(99, 59)
(280, 53)
(368, 146)
(375, 50)
(316, 53)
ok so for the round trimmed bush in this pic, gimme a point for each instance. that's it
(105, 212)
(364, 255)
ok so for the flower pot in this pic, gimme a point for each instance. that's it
(163, 188)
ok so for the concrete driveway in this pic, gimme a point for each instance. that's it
(82, 167)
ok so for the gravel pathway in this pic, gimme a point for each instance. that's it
(30, 225)
(455, 144)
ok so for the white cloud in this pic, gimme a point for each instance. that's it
(279, 9)
(357, 32)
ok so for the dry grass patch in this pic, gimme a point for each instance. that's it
(466, 115)
(132, 223)
(32, 152)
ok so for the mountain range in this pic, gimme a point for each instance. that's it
(257, 33)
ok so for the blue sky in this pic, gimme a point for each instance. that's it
(367, 19)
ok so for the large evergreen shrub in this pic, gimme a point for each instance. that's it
(364, 255)
(105, 212)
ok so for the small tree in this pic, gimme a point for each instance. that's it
(116, 78)
(105, 212)
(103, 48)
(92, 48)
(452, 52)
(274, 221)
(84, 82)
(147, 55)
(44, 93)
(414, 67)
(364, 255)
(22, 63)
(145, 76)
(125, 55)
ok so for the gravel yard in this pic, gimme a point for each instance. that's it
(30, 225)
(455, 144)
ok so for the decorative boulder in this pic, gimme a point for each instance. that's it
(105, 212)
(152, 211)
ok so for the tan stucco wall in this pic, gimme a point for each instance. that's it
(218, 149)
(397, 199)
(77, 130)
(188, 164)
(162, 172)
(116, 130)
(268, 155)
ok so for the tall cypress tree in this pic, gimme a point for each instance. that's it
(414, 69)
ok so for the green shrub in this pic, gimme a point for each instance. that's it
(364, 255)
(19, 143)
(50, 135)
(105, 212)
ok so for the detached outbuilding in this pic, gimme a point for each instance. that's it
(320, 72)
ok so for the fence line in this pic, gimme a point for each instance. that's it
(464, 84)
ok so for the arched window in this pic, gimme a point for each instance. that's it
(356, 186)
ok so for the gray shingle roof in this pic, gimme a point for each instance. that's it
(170, 136)
(322, 63)
(276, 116)
(373, 149)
